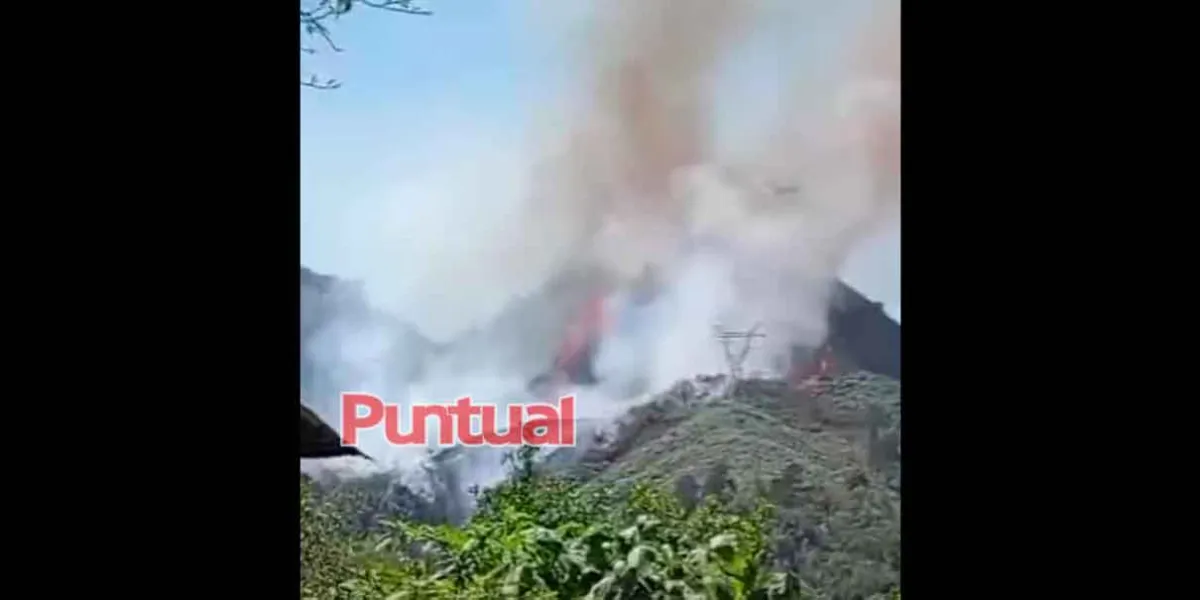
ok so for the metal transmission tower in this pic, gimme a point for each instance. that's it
(735, 359)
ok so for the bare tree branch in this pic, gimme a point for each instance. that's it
(313, 21)
(400, 6)
(316, 83)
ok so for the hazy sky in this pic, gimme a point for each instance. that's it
(435, 108)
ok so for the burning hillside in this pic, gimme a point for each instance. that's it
(638, 231)
(600, 342)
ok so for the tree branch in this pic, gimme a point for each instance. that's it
(315, 83)
(314, 27)
(312, 20)
(400, 6)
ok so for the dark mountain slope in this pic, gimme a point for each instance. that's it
(861, 335)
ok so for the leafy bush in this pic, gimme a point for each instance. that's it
(545, 537)
(326, 542)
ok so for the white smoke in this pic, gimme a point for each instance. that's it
(640, 177)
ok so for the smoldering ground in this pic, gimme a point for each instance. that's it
(639, 172)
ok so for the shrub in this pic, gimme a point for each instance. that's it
(544, 537)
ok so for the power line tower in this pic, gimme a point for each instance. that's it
(733, 358)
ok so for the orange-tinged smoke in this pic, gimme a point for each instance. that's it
(639, 171)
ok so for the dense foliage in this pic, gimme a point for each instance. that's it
(546, 537)
(829, 462)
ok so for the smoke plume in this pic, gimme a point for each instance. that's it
(642, 177)
(638, 175)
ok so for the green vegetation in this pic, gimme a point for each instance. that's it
(545, 537)
(829, 462)
(753, 492)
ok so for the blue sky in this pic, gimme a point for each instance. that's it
(426, 99)
(406, 78)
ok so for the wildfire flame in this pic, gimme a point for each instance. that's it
(583, 331)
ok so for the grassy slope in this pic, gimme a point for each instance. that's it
(829, 458)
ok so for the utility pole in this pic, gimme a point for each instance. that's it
(735, 359)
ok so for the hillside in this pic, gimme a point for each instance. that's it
(861, 334)
(829, 457)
